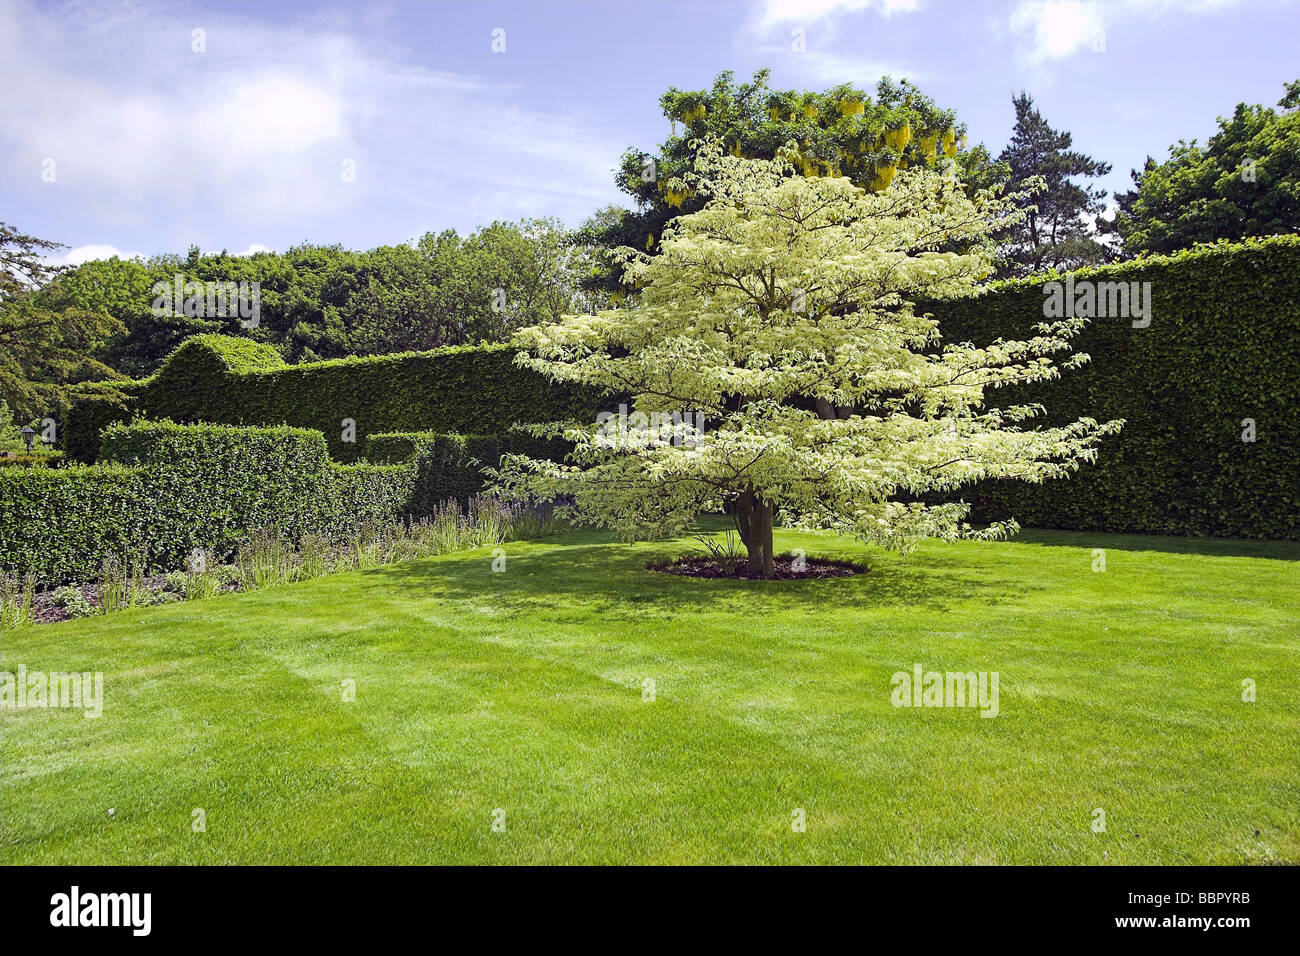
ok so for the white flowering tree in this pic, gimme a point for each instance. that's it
(781, 315)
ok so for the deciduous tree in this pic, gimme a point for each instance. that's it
(782, 312)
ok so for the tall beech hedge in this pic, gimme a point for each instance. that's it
(1221, 347)
(163, 490)
(473, 390)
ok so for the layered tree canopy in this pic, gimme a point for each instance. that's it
(843, 131)
(774, 365)
(329, 302)
(1245, 181)
(44, 350)
(1057, 230)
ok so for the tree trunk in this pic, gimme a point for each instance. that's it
(754, 522)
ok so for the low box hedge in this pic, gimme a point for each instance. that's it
(162, 490)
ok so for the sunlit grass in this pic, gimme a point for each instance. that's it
(525, 691)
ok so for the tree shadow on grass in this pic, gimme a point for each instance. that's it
(1209, 547)
(612, 580)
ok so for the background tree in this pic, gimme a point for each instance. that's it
(782, 311)
(1244, 182)
(843, 131)
(43, 351)
(329, 302)
(1057, 230)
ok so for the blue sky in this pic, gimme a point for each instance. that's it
(243, 144)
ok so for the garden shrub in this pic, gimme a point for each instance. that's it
(367, 493)
(61, 523)
(210, 378)
(1221, 347)
(162, 490)
(31, 461)
(451, 466)
(391, 448)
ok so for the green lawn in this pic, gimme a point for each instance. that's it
(523, 691)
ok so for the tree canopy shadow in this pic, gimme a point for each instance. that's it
(613, 579)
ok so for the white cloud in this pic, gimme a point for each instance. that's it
(255, 131)
(803, 33)
(808, 11)
(829, 68)
(254, 249)
(79, 254)
(1056, 29)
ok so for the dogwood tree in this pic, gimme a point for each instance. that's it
(776, 368)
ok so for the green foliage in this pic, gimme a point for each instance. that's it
(205, 357)
(1245, 181)
(364, 494)
(60, 523)
(1055, 232)
(465, 389)
(11, 438)
(31, 461)
(73, 602)
(44, 351)
(787, 291)
(165, 490)
(319, 302)
(391, 448)
(16, 597)
(1220, 348)
(841, 131)
(451, 467)
(91, 409)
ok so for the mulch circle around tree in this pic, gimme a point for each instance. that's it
(782, 566)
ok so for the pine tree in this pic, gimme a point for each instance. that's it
(1057, 231)
(43, 352)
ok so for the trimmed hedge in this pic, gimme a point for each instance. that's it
(61, 523)
(1221, 347)
(391, 448)
(227, 380)
(451, 466)
(31, 461)
(164, 489)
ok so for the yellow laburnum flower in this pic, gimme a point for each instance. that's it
(949, 143)
(852, 108)
(809, 111)
(695, 112)
(649, 242)
(674, 198)
(884, 175)
(928, 144)
(897, 139)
